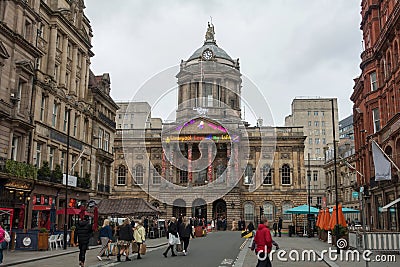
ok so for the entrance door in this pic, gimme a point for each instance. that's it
(219, 209)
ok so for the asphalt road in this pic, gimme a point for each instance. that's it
(217, 249)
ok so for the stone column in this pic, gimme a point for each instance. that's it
(209, 168)
(163, 164)
(171, 163)
(52, 50)
(82, 90)
(190, 175)
(73, 71)
(64, 59)
(228, 166)
(236, 162)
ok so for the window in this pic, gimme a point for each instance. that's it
(319, 201)
(139, 174)
(81, 167)
(309, 123)
(131, 126)
(266, 174)
(54, 115)
(323, 131)
(286, 206)
(183, 176)
(28, 30)
(105, 175)
(322, 113)
(14, 147)
(372, 77)
(248, 212)
(85, 129)
(310, 200)
(119, 116)
(62, 161)
(318, 151)
(100, 144)
(76, 125)
(56, 73)
(106, 141)
(309, 113)
(51, 157)
(285, 174)
(156, 175)
(316, 123)
(315, 113)
(323, 141)
(248, 175)
(58, 41)
(69, 51)
(316, 132)
(121, 175)
(317, 141)
(38, 155)
(42, 107)
(376, 120)
(315, 176)
(269, 211)
(310, 141)
(126, 126)
(65, 125)
(20, 90)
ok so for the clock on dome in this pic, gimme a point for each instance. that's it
(207, 54)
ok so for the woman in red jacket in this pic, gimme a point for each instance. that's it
(263, 242)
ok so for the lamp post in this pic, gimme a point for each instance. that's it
(28, 199)
(309, 198)
(335, 174)
(66, 182)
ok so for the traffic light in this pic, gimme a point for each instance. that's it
(261, 210)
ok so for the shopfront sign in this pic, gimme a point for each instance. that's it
(72, 180)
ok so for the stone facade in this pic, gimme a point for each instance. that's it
(209, 163)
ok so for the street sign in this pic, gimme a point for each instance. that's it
(355, 194)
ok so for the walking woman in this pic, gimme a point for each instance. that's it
(185, 231)
(3, 242)
(173, 237)
(125, 238)
(105, 237)
(140, 236)
(82, 235)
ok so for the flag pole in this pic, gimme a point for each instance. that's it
(387, 156)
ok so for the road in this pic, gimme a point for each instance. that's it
(217, 249)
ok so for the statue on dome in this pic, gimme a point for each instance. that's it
(210, 32)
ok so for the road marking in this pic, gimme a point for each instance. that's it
(227, 262)
(243, 244)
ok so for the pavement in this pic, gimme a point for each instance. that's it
(32, 258)
(292, 249)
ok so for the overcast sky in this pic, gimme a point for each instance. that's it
(287, 48)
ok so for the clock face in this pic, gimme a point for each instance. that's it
(207, 54)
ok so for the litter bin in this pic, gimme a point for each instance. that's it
(291, 230)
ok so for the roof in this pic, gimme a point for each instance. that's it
(126, 207)
(211, 45)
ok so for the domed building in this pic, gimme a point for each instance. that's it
(209, 162)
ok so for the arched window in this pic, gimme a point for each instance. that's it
(395, 55)
(269, 209)
(248, 212)
(285, 174)
(388, 64)
(220, 173)
(266, 174)
(121, 180)
(156, 174)
(248, 175)
(286, 206)
(139, 174)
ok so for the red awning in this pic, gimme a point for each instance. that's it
(40, 207)
(72, 211)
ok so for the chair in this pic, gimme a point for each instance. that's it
(60, 240)
(151, 233)
(53, 241)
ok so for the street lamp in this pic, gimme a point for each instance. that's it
(335, 173)
(66, 181)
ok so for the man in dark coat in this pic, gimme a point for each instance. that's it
(83, 232)
(280, 226)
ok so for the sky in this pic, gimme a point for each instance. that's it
(286, 48)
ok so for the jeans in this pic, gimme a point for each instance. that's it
(1, 256)
(82, 251)
(185, 243)
(263, 261)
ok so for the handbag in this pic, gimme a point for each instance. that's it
(135, 247)
(7, 237)
(174, 240)
(179, 247)
(143, 249)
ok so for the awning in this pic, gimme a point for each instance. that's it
(40, 207)
(72, 211)
(385, 208)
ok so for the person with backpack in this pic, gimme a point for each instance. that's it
(83, 233)
(4, 240)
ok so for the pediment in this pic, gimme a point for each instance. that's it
(26, 66)
(199, 126)
(3, 51)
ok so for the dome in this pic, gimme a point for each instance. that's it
(217, 51)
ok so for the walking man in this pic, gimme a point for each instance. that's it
(82, 235)
(280, 226)
(263, 244)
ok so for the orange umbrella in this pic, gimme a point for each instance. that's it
(342, 220)
(332, 222)
(327, 219)
(320, 214)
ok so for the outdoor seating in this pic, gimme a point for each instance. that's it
(60, 240)
(53, 241)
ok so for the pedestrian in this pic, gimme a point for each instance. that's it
(185, 231)
(125, 239)
(280, 226)
(139, 235)
(83, 233)
(4, 239)
(105, 238)
(263, 244)
(234, 227)
(275, 227)
(251, 228)
(173, 237)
